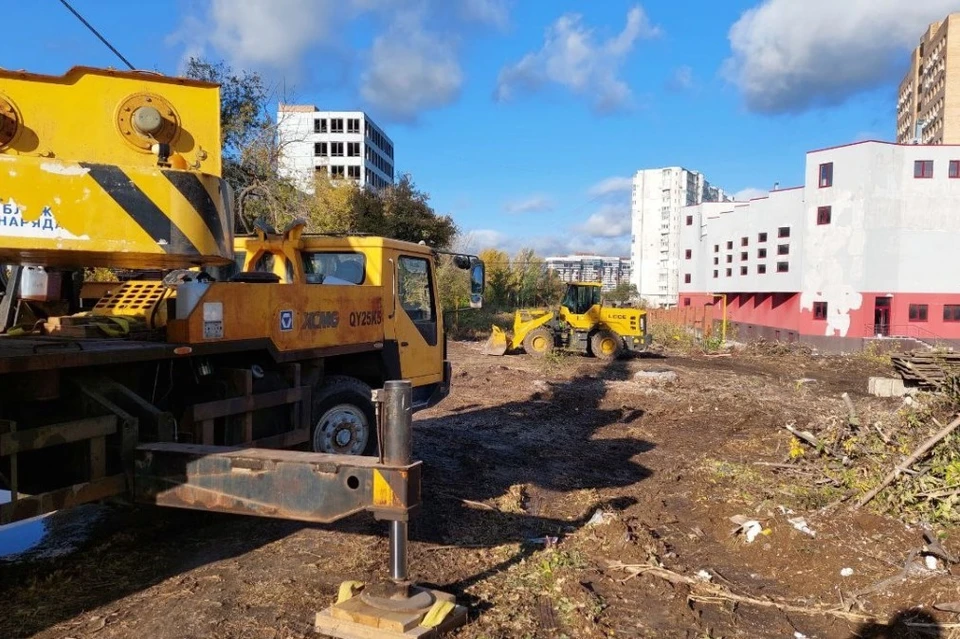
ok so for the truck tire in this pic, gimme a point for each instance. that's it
(344, 421)
(538, 342)
(606, 345)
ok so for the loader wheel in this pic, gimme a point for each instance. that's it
(344, 422)
(538, 342)
(606, 345)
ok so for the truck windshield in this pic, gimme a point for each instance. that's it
(334, 268)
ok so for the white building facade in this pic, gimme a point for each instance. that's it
(337, 144)
(865, 247)
(658, 197)
(610, 271)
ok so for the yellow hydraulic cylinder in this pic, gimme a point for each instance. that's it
(111, 168)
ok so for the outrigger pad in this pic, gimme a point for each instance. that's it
(357, 618)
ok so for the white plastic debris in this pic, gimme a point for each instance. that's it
(800, 635)
(600, 517)
(931, 562)
(846, 572)
(704, 575)
(784, 510)
(801, 524)
(749, 527)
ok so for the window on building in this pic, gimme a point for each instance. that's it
(823, 215)
(761, 253)
(729, 259)
(716, 248)
(716, 261)
(955, 169)
(819, 310)
(761, 268)
(716, 274)
(761, 237)
(783, 267)
(729, 272)
(689, 220)
(923, 169)
(353, 125)
(336, 125)
(826, 175)
(353, 149)
(951, 312)
(743, 270)
(686, 278)
(336, 171)
(783, 231)
(729, 246)
(744, 241)
(686, 301)
(744, 256)
(353, 172)
(320, 148)
(320, 125)
(918, 312)
(336, 149)
(688, 254)
(783, 249)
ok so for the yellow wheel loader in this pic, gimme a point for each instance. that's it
(582, 324)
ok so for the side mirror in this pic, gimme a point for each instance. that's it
(477, 282)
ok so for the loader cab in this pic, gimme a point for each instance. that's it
(580, 298)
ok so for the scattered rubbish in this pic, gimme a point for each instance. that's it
(931, 562)
(600, 517)
(846, 572)
(749, 527)
(800, 635)
(801, 524)
(547, 542)
(656, 376)
(784, 510)
(704, 575)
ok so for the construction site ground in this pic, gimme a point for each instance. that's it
(562, 498)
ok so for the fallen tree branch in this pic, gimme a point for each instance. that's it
(706, 592)
(853, 420)
(920, 452)
(805, 435)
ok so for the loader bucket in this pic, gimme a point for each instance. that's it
(497, 343)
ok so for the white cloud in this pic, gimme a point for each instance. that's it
(612, 185)
(788, 56)
(749, 193)
(412, 64)
(682, 80)
(493, 12)
(610, 221)
(545, 245)
(411, 70)
(533, 204)
(572, 58)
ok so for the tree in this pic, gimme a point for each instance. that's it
(499, 286)
(402, 212)
(623, 292)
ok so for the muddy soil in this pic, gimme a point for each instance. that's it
(562, 498)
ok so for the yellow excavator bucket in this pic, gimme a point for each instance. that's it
(497, 343)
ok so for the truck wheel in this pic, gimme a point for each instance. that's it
(344, 422)
(538, 342)
(606, 345)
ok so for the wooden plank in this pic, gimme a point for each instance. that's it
(238, 405)
(98, 458)
(242, 381)
(34, 505)
(283, 440)
(56, 434)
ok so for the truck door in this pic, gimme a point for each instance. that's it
(417, 321)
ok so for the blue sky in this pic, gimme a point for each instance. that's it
(523, 118)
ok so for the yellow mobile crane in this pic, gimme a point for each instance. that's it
(223, 351)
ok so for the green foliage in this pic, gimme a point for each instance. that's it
(623, 292)
(521, 281)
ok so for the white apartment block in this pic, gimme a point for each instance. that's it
(658, 197)
(610, 271)
(338, 144)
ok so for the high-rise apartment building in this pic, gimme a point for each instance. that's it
(610, 271)
(928, 103)
(338, 144)
(658, 197)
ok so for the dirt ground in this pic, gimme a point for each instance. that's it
(562, 498)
